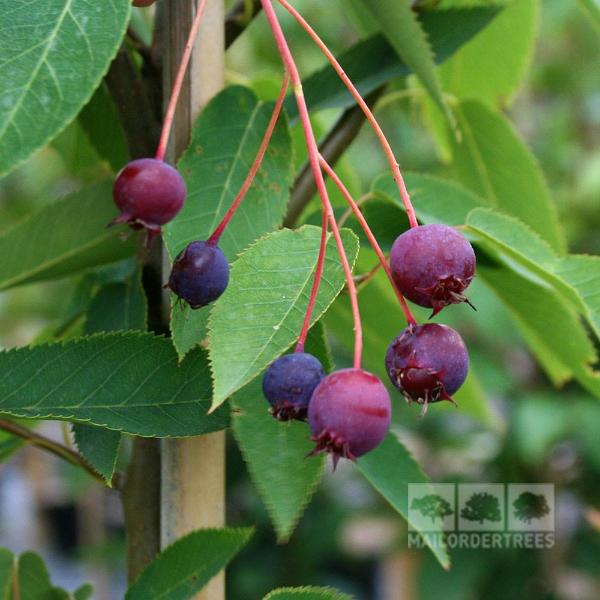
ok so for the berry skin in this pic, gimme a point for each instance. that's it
(432, 265)
(200, 274)
(427, 363)
(349, 414)
(149, 193)
(289, 383)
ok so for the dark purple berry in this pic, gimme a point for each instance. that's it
(289, 383)
(427, 363)
(432, 265)
(200, 274)
(349, 414)
(149, 193)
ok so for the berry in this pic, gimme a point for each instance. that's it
(289, 383)
(432, 265)
(427, 363)
(349, 414)
(149, 193)
(200, 274)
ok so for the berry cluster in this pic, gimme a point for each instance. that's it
(349, 410)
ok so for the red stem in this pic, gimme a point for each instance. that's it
(365, 108)
(313, 155)
(363, 223)
(185, 60)
(315, 286)
(214, 238)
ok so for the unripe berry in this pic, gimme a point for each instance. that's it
(200, 274)
(427, 363)
(289, 383)
(349, 414)
(432, 265)
(149, 193)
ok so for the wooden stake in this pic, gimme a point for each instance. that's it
(193, 469)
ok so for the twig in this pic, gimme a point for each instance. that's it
(56, 448)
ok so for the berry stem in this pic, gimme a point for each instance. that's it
(313, 155)
(185, 60)
(315, 286)
(394, 165)
(214, 238)
(363, 223)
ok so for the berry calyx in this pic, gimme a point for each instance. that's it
(200, 274)
(289, 383)
(427, 363)
(149, 193)
(349, 414)
(432, 265)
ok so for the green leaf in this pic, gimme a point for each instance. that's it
(100, 121)
(63, 239)
(275, 455)
(493, 162)
(130, 382)
(306, 593)
(402, 29)
(6, 572)
(99, 446)
(504, 49)
(34, 580)
(390, 468)
(373, 62)
(260, 314)
(85, 592)
(215, 166)
(54, 54)
(118, 306)
(592, 9)
(435, 200)
(549, 325)
(185, 567)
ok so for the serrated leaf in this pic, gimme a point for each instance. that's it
(129, 382)
(493, 162)
(275, 455)
(372, 62)
(100, 121)
(504, 49)
(390, 469)
(306, 593)
(435, 200)
(402, 29)
(33, 580)
(185, 567)
(260, 314)
(63, 239)
(53, 56)
(99, 446)
(548, 324)
(215, 166)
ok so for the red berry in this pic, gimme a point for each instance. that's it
(349, 414)
(427, 363)
(149, 193)
(432, 265)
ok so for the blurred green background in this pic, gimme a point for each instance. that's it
(531, 432)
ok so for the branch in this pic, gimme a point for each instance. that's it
(56, 448)
(339, 138)
(238, 18)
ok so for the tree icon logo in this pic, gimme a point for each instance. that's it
(529, 506)
(482, 507)
(432, 506)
